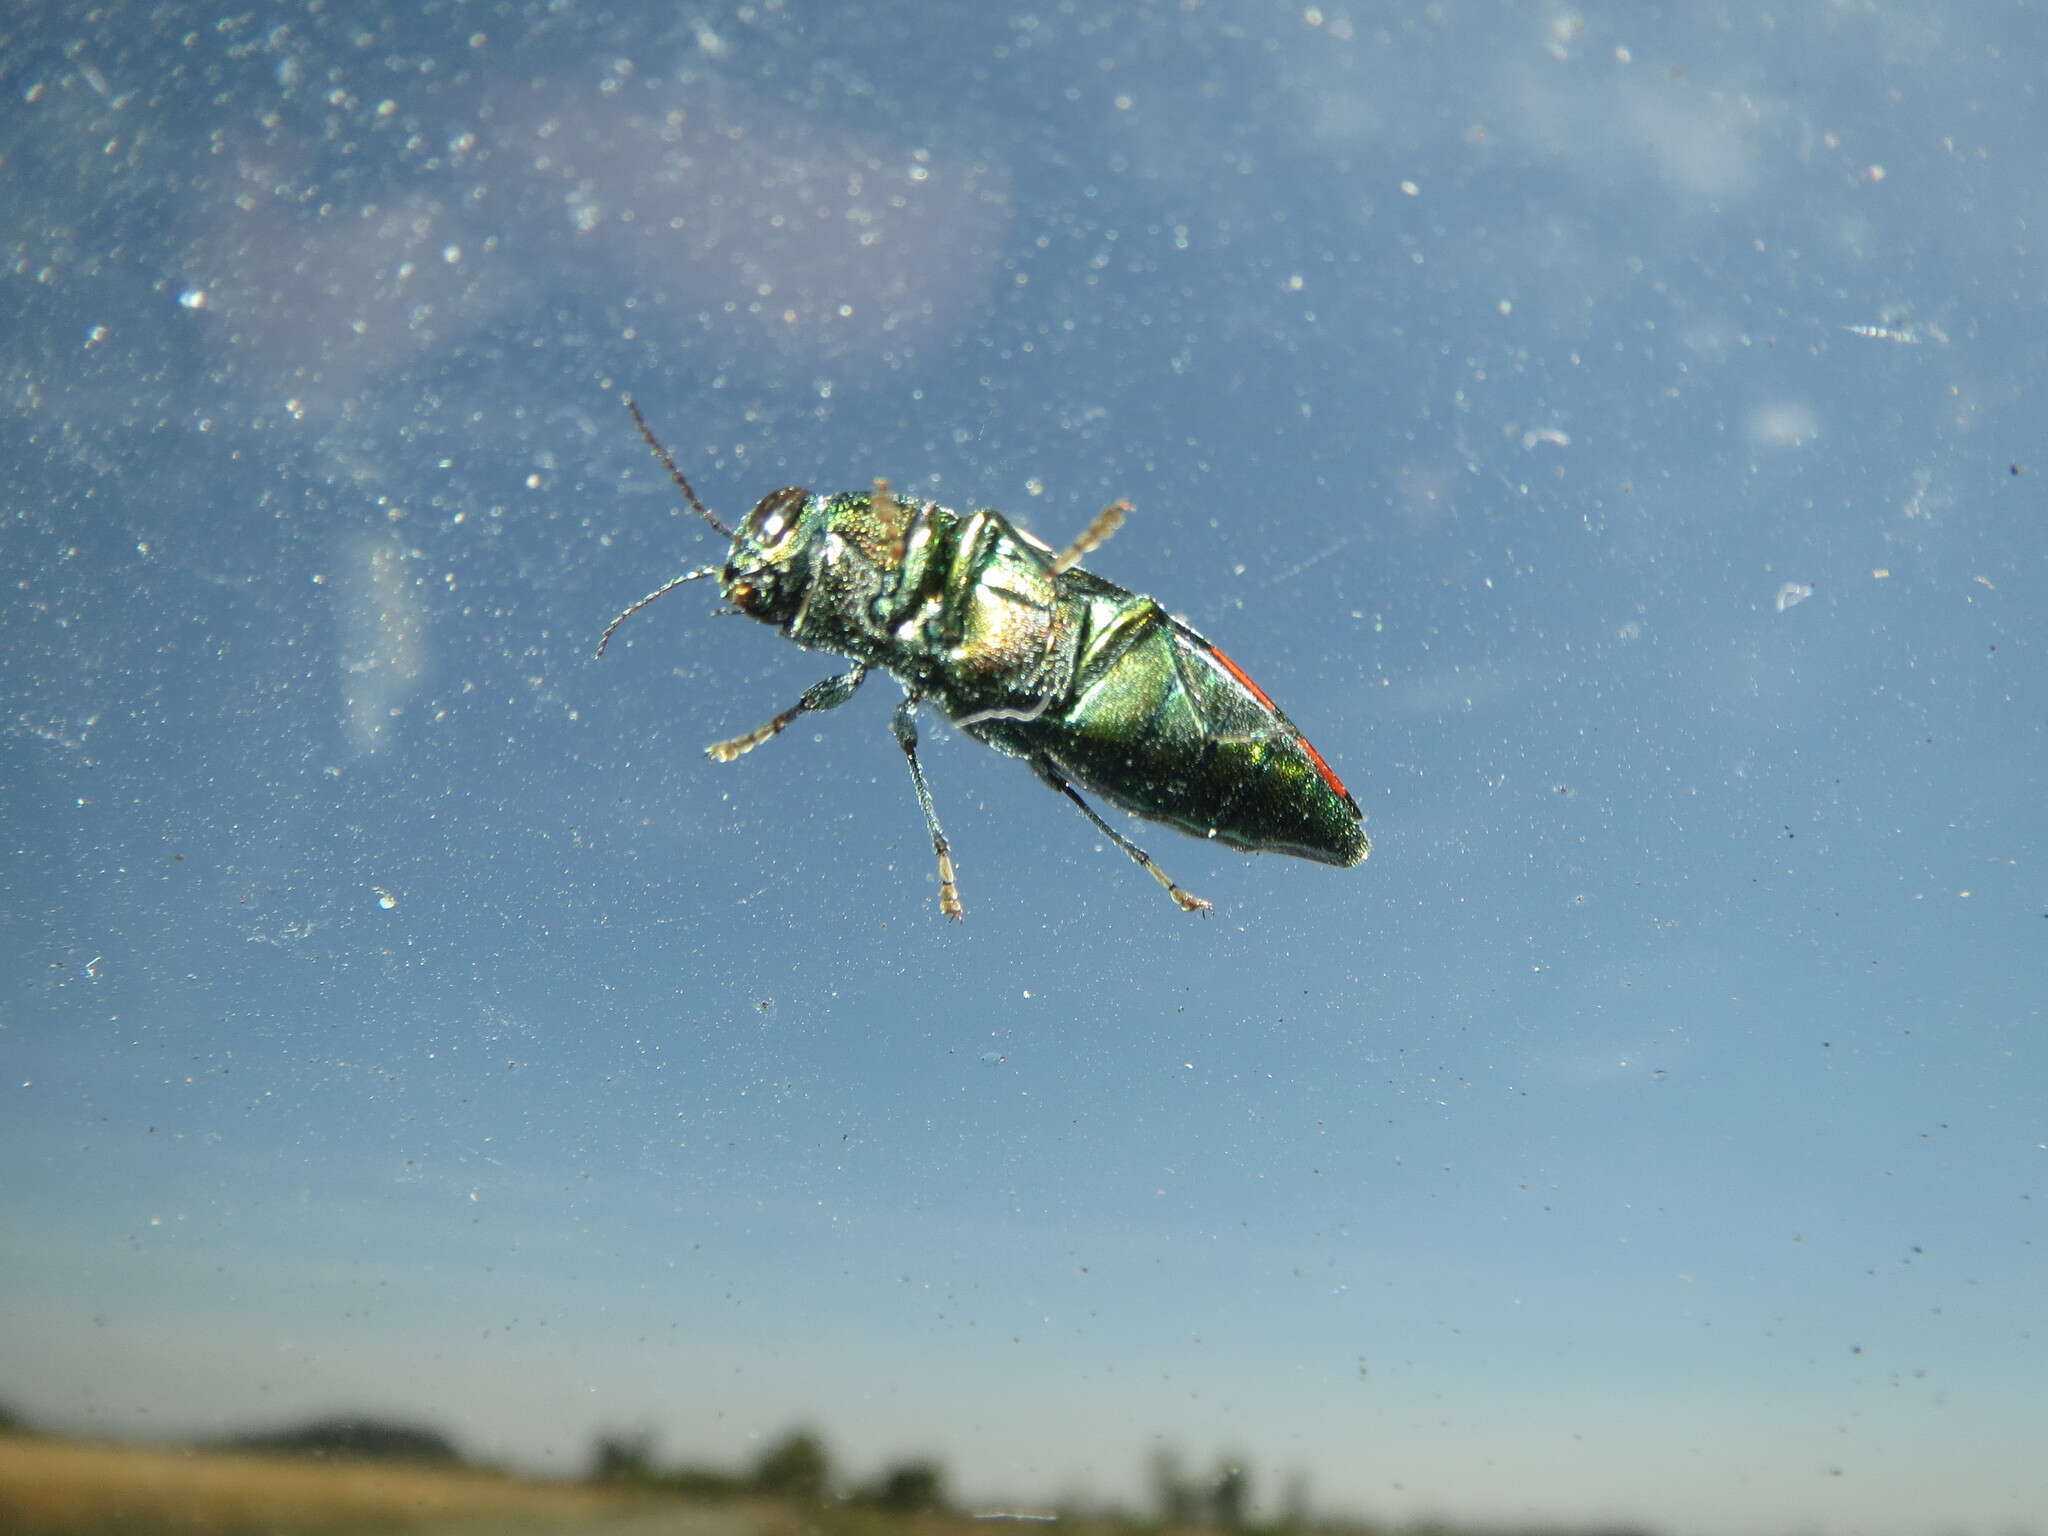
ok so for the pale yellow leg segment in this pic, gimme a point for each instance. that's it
(949, 890)
(904, 723)
(726, 751)
(1183, 898)
(890, 514)
(1093, 537)
(829, 694)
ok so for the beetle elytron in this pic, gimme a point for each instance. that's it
(1025, 651)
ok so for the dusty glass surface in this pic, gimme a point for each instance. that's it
(1613, 434)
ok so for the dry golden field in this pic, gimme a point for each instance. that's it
(70, 1488)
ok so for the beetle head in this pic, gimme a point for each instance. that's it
(769, 569)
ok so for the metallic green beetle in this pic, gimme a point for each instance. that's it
(1022, 650)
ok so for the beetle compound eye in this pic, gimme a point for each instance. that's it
(774, 518)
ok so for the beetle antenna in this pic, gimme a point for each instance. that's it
(661, 591)
(674, 474)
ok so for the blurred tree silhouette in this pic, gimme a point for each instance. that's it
(1175, 1501)
(623, 1456)
(795, 1467)
(1297, 1513)
(357, 1438)
(909, 1487)
(1230, 1495)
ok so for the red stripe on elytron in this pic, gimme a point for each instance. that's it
(1329, 774)
(1239, 673)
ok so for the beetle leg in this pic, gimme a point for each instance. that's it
(1093, 537)
(1186, 900)
(829, 694)
(891, 517)
(904, 724)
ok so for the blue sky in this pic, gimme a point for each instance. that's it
(1610, 433)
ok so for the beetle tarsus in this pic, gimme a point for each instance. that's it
(904, 724)
(1093, 537)
(828, 694)
(739, 746)
(1183, 898)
